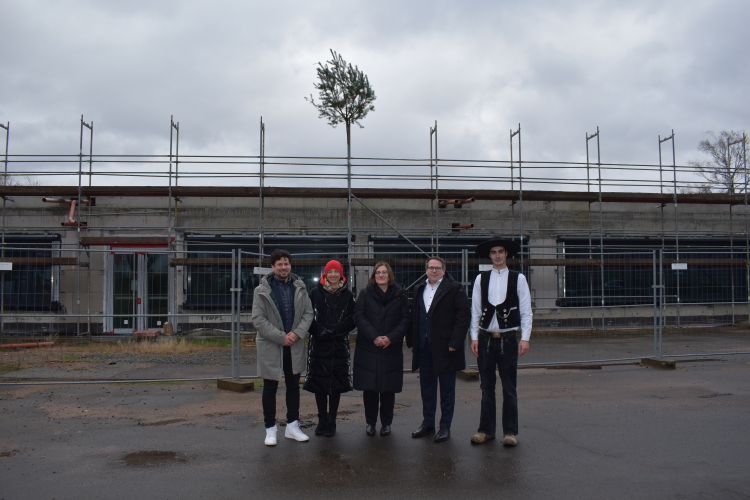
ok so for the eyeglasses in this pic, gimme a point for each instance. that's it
(434, 268)
(382, 273)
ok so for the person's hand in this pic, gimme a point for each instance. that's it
(450, 349)
(378, 341)
(475, 347)
(290, 339)
(523, 347)
(385, 341)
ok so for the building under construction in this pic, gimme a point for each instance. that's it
(127, 245)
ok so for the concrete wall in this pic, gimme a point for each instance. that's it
(543, 221)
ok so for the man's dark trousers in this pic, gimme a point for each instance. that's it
(428, 383)
(503, 355)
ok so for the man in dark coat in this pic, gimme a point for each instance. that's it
(441, 316)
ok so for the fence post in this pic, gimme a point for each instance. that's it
(238, 285)
(657, 304)
(661, 303)
(465, 282)
(232, 293)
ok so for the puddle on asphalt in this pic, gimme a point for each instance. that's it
(153, 458)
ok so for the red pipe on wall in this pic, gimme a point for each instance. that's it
(27, 345)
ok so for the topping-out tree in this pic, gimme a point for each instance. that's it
(345, 96)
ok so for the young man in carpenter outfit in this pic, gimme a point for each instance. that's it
(501, 305)
(282, 314)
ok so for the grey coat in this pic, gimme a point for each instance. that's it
(271, 334)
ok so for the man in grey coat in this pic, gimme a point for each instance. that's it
(282, 314)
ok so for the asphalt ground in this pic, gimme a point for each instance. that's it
(624, 431)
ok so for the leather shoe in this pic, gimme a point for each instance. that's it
(370, 430)
(385, 430)
(509, 441)
(443, 434)
(422, 431)
(481, 438)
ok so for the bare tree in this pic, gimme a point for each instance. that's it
(9, 180)
(726, 169)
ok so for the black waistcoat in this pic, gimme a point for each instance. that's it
(508, 314)
(425, 321)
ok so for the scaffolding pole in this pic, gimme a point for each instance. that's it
(78, 224)
(5, 199)
(601, 215)
(676, 219)
(520, 187)
(436, 202)
(170, 222)
(261, 202)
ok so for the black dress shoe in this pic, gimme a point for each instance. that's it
(385, 430)
(422, 431)
(443, 434)
(370, 430)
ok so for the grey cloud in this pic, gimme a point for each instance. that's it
(636, 69)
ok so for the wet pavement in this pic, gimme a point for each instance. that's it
(623, 431)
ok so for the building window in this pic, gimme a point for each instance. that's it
(31, 284)
(208, 268)
(715, 271)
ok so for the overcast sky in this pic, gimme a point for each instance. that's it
(634, 68)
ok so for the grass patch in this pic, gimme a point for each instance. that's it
(9, 368)
(160, 347)
(210, 342)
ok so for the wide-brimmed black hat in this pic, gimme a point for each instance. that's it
(510, 246)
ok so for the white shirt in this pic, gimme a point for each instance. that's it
(429, 293)
(498, 289)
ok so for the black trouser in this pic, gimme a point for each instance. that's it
(327, 404)
(502, 354)
(386, 400)
(292, 393)
(428, 384)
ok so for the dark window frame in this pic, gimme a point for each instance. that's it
(638, 279)
(21, 285)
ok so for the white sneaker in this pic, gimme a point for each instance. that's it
(294, 432)
(270, 436)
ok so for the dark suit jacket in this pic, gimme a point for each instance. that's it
(451, 317)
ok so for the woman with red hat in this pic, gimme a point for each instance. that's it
(328, 363)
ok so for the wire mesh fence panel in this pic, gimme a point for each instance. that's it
(137, 312)
(152, 313)
(588, 308)
(250, 269)
(705, 302)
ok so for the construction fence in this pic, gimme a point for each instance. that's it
(589, 306)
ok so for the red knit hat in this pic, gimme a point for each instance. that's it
(334, 264)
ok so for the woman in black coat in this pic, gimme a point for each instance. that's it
(382, 317)
(328, 361)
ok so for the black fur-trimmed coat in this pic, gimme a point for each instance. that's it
(328, 348)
